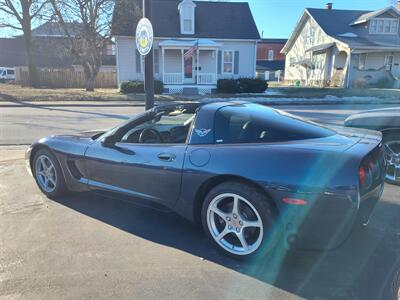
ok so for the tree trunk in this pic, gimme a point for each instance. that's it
(90, 83)
(90, 76)
(33, 81)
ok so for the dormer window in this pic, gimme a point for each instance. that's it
(384, 26)
(187, 16)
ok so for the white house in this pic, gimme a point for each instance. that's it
(222, 36)
(345, 48)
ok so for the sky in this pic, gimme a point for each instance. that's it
(277, 18)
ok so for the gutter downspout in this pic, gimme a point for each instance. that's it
(348, 70)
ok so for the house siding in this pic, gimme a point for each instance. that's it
(297, 53)
(125, 48)
(247, 58)
(375, 69)
(126, 62)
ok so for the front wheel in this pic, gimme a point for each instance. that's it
(48, 174)
(239, 220)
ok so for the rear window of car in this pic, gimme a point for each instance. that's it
(253, 123)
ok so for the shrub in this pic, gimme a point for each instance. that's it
(131, 86)
(158, 87)
(252, 85)
(361, 83)
(241, 85)
(228, 86)
(384, 83)
(137, 87)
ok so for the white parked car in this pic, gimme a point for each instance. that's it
(7, 74)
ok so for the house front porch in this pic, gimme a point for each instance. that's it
(189, 64)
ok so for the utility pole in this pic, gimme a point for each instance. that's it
(148, 62)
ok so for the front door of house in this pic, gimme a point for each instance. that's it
(188, 66)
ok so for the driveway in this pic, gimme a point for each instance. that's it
(89, 246)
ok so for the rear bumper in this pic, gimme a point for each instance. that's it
(330, 221)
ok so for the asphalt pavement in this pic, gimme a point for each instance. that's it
(25, 123)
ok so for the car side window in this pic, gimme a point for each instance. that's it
(256, 124)
(164, 128)
(10, 72)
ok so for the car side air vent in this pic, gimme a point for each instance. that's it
(74, 170)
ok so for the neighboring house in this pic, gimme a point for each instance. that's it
(222, 36)
(270, 60)
(345, 48)
(50, 48)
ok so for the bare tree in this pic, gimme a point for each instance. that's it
(87, 46)
(19, 15)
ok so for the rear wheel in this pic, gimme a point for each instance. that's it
(239, 220)
(392, 153)
(48, 174)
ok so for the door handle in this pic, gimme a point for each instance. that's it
(166, 156)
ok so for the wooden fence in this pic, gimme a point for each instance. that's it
(66, 78)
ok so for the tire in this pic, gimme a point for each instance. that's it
(55, 180)
(223, 224)
(391, 140)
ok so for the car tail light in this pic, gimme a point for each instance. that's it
(362, 175)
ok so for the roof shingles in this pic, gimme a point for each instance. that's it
(219, 20)
(354, 36)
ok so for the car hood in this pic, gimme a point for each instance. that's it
(82, 135)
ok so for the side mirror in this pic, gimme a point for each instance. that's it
(109, 141)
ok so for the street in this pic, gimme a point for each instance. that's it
(88, 246)
(22, 124)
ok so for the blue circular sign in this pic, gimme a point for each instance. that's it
(144, 36)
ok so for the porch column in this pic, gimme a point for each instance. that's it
(163, 67)
(197, 64)
(183, 66)
(216, 66)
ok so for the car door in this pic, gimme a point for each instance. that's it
(150, 171)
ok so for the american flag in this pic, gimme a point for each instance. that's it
(189, 53)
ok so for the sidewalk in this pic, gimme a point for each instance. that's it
(328, 100)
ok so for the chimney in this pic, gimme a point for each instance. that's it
(329, 5)
(398, 5)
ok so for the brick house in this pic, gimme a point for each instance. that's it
(270, 60)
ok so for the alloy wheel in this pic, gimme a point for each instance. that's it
(235, 224)
(45, 173)
(392, 151)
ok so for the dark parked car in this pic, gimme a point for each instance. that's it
(387, 121)
(248, 173)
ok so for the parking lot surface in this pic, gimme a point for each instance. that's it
(88, 246)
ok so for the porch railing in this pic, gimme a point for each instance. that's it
(173, 78)
(206, 78)
(178, 78)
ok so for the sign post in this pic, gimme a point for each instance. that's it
(144, 44)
